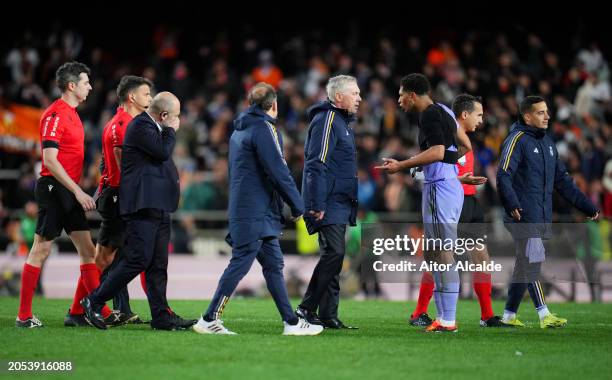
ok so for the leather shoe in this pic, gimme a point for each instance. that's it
(310, 316)
(335, 323)
(92, 316)
(172, 322)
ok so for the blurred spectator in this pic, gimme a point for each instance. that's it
(266, 71)
(212, 73)
(22, 60)
(366, 189)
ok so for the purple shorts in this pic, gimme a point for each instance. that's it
(441, 206)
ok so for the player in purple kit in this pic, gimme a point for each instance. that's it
(441, 143)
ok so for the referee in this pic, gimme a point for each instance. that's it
(62, 203)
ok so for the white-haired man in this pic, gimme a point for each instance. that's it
(329, 189)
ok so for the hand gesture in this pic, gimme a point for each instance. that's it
(389, 165)
(469, 179)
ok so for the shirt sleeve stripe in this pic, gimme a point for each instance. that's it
(274, 134)
(511, 150)
(327, 133)
(327, 117)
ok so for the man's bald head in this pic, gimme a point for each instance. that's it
(166, 109)
(164, 102)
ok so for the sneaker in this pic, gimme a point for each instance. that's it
(434, 325)
(214, 327)
(302, 328)
(494, 321)
(437, 327)
(552, 321)
(30, 323)
(75, 320)
(514, 322)
(422, 320)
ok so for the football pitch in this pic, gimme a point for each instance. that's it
(385, 346)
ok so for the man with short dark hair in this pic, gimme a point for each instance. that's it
(468, 111)
(529, 171)
(62, 203)
(259, 183)
(441, 143)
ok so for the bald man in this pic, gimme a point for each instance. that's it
(148, 193)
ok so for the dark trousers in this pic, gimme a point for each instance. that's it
(323, 291)
(270, 256)
(121, 300)
(146, 249)
(526, 276)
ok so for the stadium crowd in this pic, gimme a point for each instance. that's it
(211, 78)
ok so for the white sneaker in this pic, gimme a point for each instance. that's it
(214, 327)
(302, 328)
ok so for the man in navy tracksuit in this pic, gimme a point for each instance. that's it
(529, 171)
(329, 189)
(259, 183)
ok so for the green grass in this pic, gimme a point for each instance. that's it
(384, 347)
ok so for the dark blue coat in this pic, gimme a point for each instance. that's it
(149, 178)
(329, 182)
(529, 171)
(259, 179)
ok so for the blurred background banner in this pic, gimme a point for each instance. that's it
(19, 128)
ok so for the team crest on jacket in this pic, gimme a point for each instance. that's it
(550, 150)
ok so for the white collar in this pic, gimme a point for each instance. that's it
(155, 121)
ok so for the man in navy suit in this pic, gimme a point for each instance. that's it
(260, 182)
(148, 193)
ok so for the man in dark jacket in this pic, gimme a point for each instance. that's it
(148, 193)
(529, 171)
(259, 183)
(329, 189)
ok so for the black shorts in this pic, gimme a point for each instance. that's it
(112, 230)
(58, 209)
(472, 220)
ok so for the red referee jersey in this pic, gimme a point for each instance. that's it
(61, 128)
(466, 165)
(112, 137)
